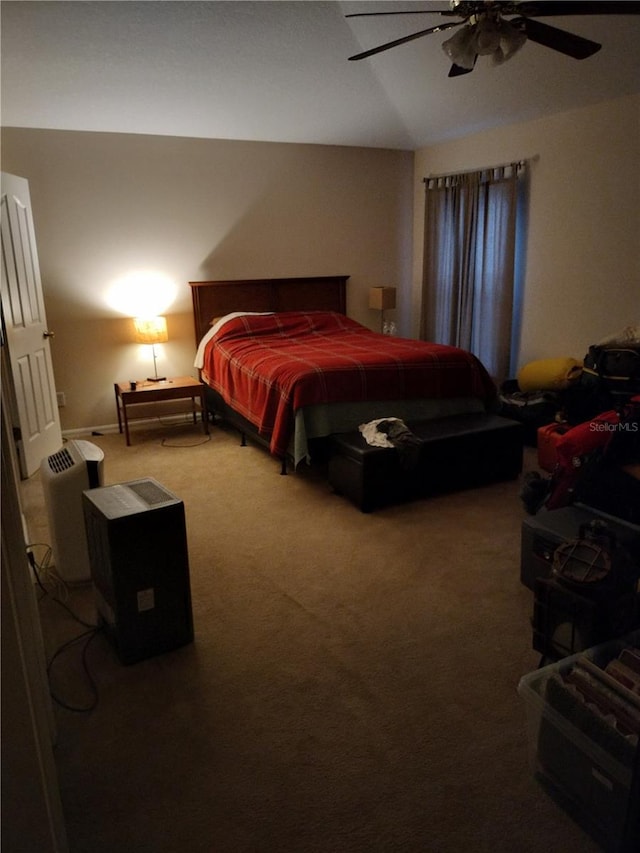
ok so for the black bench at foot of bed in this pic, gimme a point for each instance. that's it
(457, 452)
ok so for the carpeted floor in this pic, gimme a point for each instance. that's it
(352, 687)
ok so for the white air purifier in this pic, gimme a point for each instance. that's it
(65, 475)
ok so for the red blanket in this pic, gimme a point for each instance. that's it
(268, 367)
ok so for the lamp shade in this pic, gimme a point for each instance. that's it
(151, 330)
(382, 298)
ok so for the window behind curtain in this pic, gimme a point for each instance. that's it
(470, 293)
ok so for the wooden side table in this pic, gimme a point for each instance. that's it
(176, 388)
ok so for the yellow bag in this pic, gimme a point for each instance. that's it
(549, 374)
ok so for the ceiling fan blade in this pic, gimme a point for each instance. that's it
(532, 8)
(405, 39)
(560, 40)
(458, 70)
(576, 8)
(406, 12)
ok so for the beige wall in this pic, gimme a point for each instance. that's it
(106, 204)
(582, 278)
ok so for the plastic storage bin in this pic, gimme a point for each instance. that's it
(590, 772)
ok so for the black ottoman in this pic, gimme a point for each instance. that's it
(456, 452)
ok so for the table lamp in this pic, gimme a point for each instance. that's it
(152, 330)
(382, 298)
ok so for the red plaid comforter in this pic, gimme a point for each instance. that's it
(268, 367)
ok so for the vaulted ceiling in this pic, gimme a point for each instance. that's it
(279, 71)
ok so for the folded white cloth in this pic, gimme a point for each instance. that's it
(373, 436)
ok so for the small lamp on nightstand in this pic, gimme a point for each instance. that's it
(382, 298)
(152, 330)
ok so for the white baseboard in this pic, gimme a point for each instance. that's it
(92, 430)
(111, 428)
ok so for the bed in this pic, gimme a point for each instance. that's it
(282, 362)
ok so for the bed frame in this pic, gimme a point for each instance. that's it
(215, 298)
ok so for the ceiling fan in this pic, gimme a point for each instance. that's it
(487, 32)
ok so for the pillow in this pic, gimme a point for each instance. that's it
(549, 374)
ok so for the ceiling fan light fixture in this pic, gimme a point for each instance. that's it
(460, 48)
(511, 40)
(488, 36)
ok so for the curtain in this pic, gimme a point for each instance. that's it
(469, 263)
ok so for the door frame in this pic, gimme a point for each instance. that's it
(32, 814)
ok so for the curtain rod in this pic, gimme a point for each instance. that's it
(518, 163)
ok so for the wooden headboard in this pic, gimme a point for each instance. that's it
(216, 298)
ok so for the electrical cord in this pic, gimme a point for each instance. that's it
(89, 635)
(164, 443)
(37, 569)
(45, 568)
(178, 424)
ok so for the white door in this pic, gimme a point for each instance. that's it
(36, 421)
